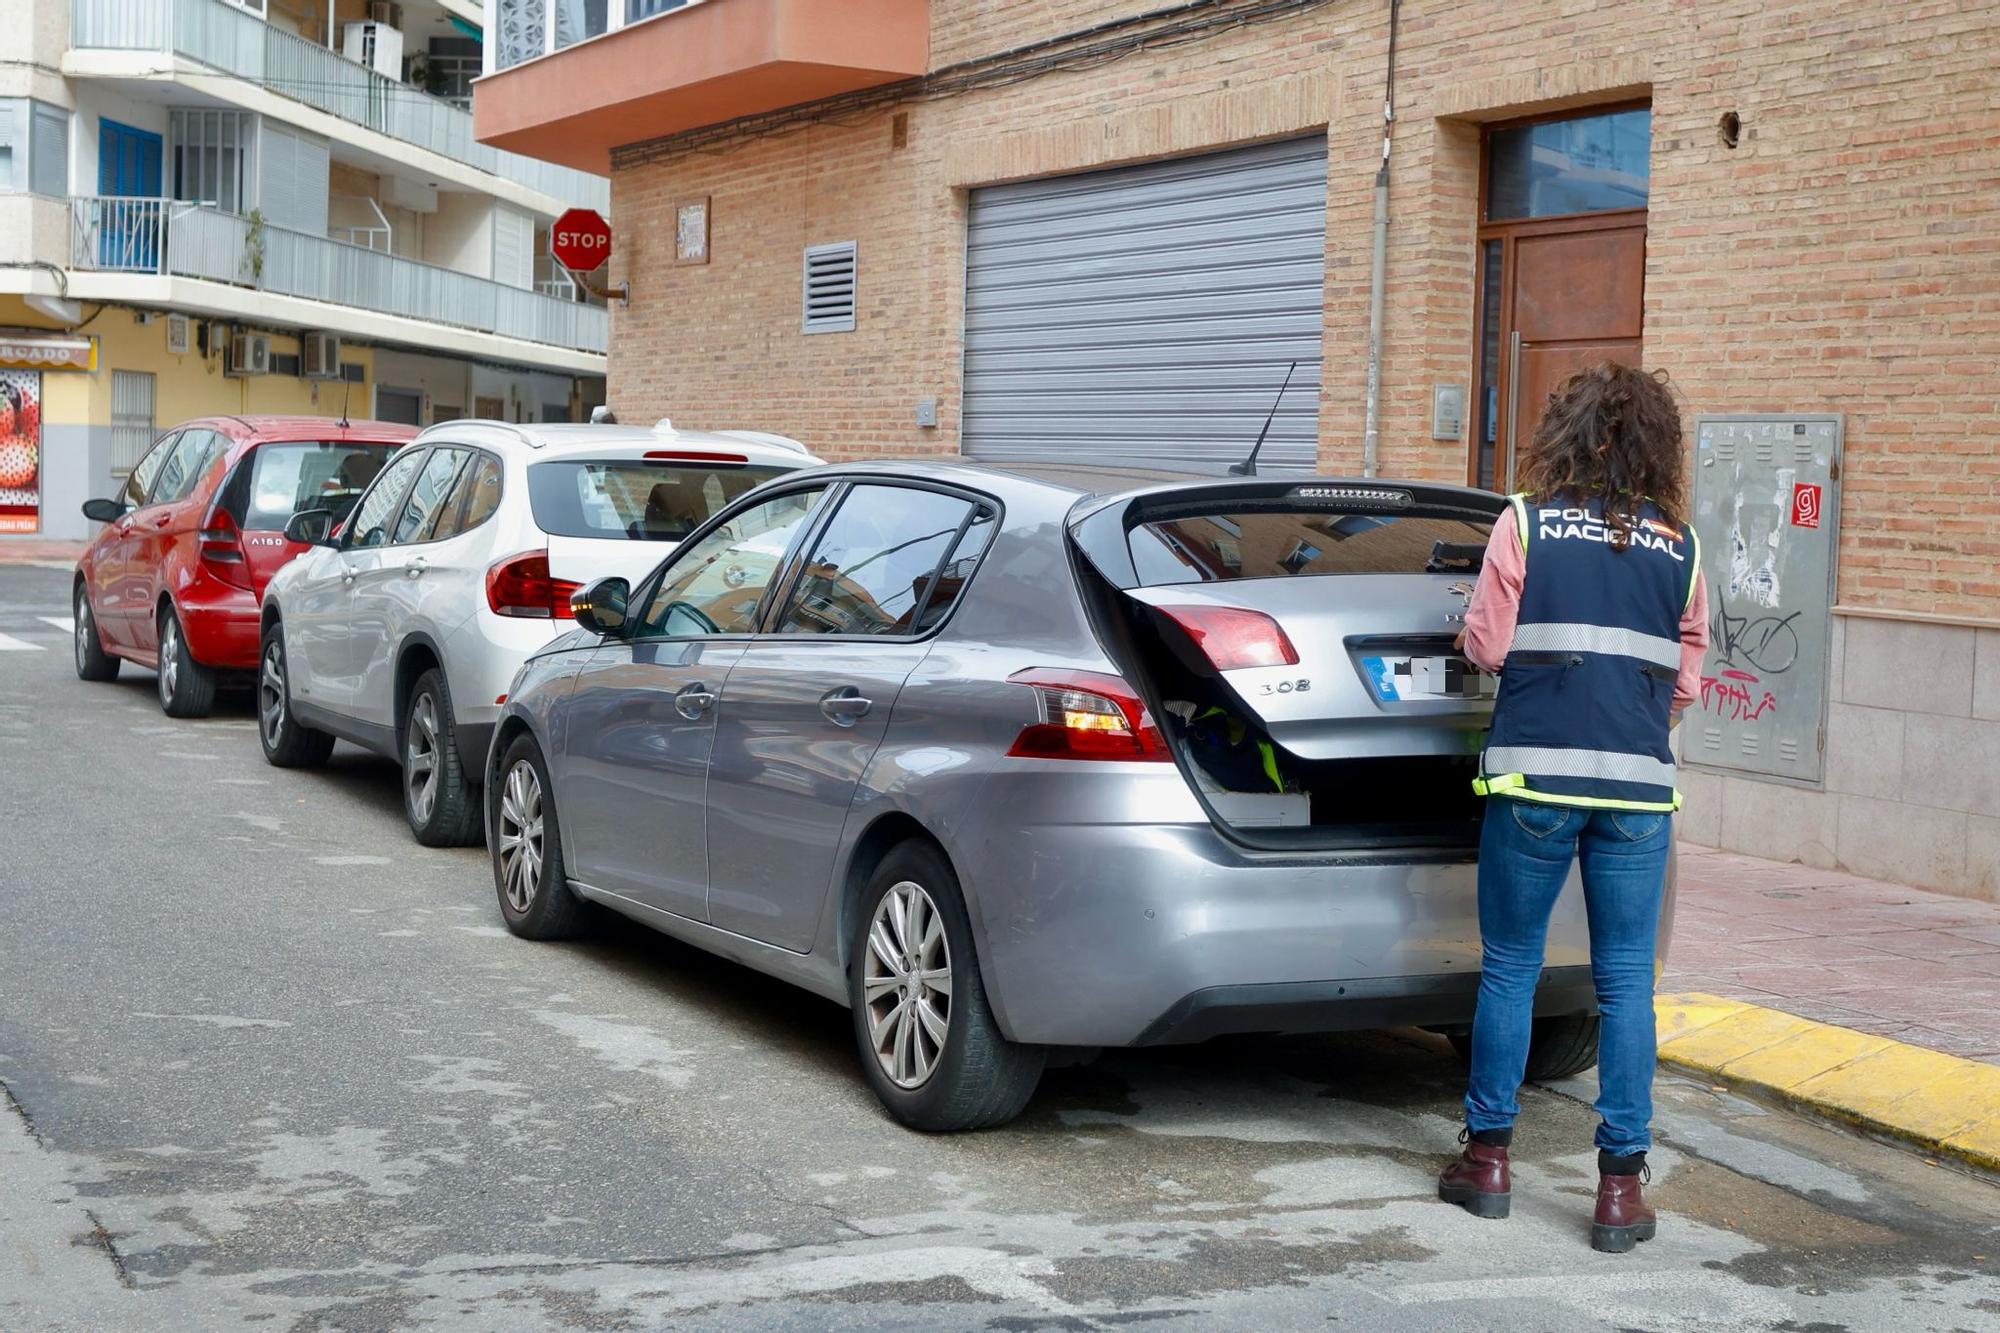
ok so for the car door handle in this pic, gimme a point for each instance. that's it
(346, 574)
(161, 520)
(693, 700)
(415, 567)
(845, 706)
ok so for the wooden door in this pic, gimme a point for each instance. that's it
(1556, 293)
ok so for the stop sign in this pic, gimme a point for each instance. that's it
(581, 240)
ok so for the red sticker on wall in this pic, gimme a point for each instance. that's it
(1805, 504)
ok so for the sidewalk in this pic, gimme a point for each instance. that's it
(1869, 1002)
(40, 551)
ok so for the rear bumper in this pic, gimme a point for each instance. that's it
(1444, 1000)
(1095, 929)
(221, 624)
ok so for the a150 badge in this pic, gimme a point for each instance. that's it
(1302, 685)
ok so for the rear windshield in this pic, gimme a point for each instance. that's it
(1283, 543)
(635, 499)
(283, 479)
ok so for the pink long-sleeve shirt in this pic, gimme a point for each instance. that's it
(1496, 606)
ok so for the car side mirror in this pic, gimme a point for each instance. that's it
(104, 511)
(599, 606)
(314, 527)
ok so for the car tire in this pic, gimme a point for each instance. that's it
(287, 742)
(186, 687)
(971, 1078)
(92, 662)
(1560, 1047)
(536, 901)
(438, 799)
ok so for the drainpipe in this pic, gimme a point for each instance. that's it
(1371, 438)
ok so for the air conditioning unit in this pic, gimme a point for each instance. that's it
(379, 46)
(180, 335)
(319, 356)
(249, 354)
(385, 11)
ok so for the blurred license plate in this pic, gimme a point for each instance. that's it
(1400, 679)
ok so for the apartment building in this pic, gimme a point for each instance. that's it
(1110, 229)
(263, 206)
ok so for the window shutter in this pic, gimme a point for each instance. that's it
(294, 171)
(50, 153)
(513, 247)
(829, 288)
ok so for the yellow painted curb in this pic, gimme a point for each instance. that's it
(1941, 1103)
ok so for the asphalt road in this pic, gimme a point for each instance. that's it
(270, 1064)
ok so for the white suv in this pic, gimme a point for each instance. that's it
(401, 630)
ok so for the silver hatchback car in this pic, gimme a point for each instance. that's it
(1008, 759)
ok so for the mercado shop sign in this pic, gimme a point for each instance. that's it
(46, 351)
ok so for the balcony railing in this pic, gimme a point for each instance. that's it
(224, 37)
(167, 236)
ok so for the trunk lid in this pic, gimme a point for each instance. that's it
(581, 559)
(1322, 612)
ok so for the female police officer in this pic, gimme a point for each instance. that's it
(1592, 607)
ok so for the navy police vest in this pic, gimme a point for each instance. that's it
(1587, 687)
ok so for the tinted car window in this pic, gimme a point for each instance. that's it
(716, 585)
(475, 495)
(636, 499)
(1286, 543)
(957, 570)
(427, 496)
(285, 478)
(371, 516)
(871, 568)
(193, 454)
(143, 476)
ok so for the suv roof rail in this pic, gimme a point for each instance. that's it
(518, 431)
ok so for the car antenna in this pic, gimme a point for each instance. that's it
(346, 392)
(1248, 467)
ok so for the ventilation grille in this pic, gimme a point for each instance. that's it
(829, 288)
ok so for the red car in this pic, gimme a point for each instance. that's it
(175, 579)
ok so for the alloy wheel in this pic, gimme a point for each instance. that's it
(420, 763)
(906, 982)
(271, 692)
(170, 657)
(86, 631)
(521, 835)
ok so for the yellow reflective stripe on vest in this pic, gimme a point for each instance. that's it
(1694, 575)
(1515, 785)
(1520, 502)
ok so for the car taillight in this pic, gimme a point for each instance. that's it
(1086, 715)
(1233, 637)
(219, 547)
(521, 585)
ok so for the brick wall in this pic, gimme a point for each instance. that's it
(1845, 256)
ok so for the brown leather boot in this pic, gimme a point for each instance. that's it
(1479, 1181)
(1623, 1219)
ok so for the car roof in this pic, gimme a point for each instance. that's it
(275, 426)
(544, 440)
(1076, 479)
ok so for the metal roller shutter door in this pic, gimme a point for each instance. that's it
(1147, 314)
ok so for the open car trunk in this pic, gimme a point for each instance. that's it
(1294, 641)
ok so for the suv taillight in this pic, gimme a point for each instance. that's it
(1086, 715)
(219, 547)
(521, 585)
(1233, 637)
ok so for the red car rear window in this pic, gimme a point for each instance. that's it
(284, 478)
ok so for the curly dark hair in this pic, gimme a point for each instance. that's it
(1612, 431)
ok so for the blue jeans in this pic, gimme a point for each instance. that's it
(1525, 852)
